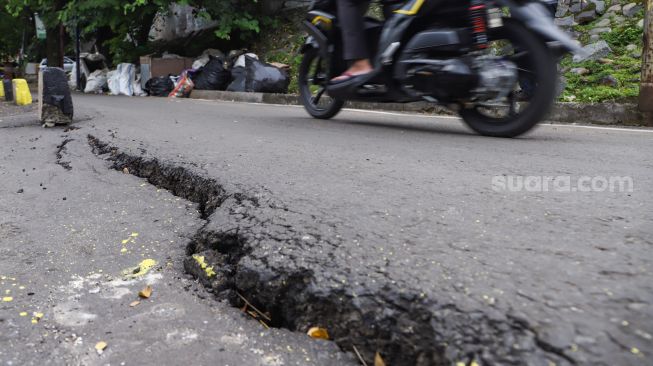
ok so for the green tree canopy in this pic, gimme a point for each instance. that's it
(11, 30)
(123, 26)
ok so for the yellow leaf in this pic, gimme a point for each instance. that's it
(7, 299)
(378, 360)
(38, 315)
(142, 268)
(134, 303)
(23, 313)
(34, 320)
(634, 350)
(203, 265)
(100, 346)
(133, 235)
(125, 241)
(209, 272)
(474, 363)
(200, 260)
(146, 292)
(318, 333)
(123, 250)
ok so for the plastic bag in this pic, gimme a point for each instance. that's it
(160, 86)
(241, 60)
(122, 80)
(136, 86)
(238, 75)
(206, 57)
(212, 76)
(183, 87)
(96, 82)
(264, 78)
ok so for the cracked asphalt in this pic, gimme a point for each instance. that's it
(383, 228)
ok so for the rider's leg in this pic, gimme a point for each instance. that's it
(351, 16)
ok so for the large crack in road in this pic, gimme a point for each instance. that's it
(234, 255)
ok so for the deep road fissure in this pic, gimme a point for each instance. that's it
(401, 325)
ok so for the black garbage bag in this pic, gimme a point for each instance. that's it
(212, 76)
(238, 75)
(159, 86)
(264, 78)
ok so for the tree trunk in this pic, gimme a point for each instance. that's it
(55, 38)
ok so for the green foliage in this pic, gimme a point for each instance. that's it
(621, 37)
(11, 30)
(587, 88)
(123, 26)
(621, 65)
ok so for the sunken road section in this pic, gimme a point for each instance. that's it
(254, 252)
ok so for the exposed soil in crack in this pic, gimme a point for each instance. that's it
(61, 149)
(229, 255)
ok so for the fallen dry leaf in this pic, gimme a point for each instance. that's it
(318, 333)
(378, 360)
(134, 303)
(146, 292)
(100, 347)
(125, 170)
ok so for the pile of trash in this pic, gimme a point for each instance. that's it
(240, 71)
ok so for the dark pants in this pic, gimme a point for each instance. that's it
(350, 14)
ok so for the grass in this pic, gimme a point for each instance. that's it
(620, 64)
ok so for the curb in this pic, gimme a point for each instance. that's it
(625, 114)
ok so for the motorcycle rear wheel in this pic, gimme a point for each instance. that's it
(539, 66)
(312, 81)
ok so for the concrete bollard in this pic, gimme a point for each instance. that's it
(22, 95)
(55, 101)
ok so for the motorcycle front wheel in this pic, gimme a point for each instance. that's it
(312, 81)
(533, 95)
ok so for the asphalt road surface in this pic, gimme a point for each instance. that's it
(405, 235)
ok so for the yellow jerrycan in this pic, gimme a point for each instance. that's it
(22, 95)
(2, 91)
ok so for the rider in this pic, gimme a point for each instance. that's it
(351, 14)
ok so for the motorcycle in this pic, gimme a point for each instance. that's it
(493, 62)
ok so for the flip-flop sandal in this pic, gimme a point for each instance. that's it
(348, 77)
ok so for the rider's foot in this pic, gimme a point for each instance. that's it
(358, 68)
